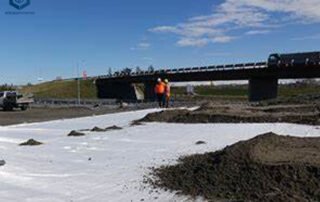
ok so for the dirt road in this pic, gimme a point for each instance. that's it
(41, 114)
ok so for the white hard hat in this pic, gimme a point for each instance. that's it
(159, 80)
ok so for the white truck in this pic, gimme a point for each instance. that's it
(12, 99)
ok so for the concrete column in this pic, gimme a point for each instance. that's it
(115, 90)
(263, 89)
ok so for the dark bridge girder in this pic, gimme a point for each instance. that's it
(263, 82)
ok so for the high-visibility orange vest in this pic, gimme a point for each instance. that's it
(160, 88)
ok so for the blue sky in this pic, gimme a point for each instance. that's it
(100, 34)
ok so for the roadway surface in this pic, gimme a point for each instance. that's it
(41, 114)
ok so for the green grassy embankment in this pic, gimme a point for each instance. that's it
(62, 89)
(241, 91)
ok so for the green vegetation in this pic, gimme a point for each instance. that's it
(241, 91)
(6, 87)
(62, 89)
(294, 90)
(227, 90)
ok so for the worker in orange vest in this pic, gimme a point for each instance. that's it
(159, 90)
(167, 92)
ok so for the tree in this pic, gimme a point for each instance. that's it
(126, 71)
(138, 69)
(109, 71)
(6, 87)
(150, 68)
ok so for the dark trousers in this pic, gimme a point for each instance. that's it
(161, 99)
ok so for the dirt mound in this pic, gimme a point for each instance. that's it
(75, 134)
(113, 128)
(266, 168)
(97, 129)
(210, 113)
(31, 142)
(2, 162)
(164, 116)
(200, 142)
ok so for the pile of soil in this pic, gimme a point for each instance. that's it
(31, 142)
(210, 113)
(266, 168)
(113, 128)
(2, 162)
(97, 129)
(75, 134)
(200, 142)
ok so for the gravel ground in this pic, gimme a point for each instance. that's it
(40, 114)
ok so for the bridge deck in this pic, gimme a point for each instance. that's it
(226, 72)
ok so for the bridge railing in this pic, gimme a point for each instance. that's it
(211, 68)
(190, 70)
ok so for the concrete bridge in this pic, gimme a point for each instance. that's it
(263, 78)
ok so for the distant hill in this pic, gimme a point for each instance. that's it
(62, 89)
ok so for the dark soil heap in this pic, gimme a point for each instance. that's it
(266, 168)
(31, 142)
(97, 129)
(75, 134)
(113, 128)
(211, 113)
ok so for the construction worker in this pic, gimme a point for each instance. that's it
(159, 90)
(167, 93)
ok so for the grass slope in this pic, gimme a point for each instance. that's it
(62, 89)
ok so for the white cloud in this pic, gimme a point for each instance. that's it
(244, 17)
(310, 37)
(192, 42)
(256, 32)
(222, 39)
(142, 46)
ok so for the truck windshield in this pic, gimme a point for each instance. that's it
(11, 94)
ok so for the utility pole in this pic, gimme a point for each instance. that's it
(78, 85)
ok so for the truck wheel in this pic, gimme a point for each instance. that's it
(8, 108)
(24, 108)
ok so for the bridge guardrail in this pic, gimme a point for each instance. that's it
(212, 68)
(191, 69)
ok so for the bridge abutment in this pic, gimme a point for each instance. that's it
(149, 94)
(263, 88)
(116, 90)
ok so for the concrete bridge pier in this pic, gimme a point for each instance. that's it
(116, 90)
(263, 88)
